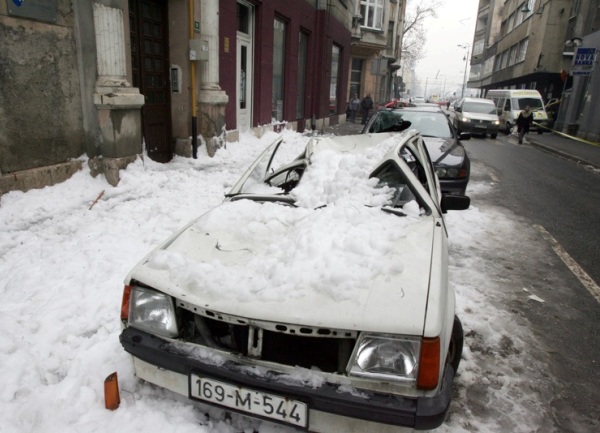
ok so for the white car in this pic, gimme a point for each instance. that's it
(316, 295)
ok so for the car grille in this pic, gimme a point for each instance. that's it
(329, 350)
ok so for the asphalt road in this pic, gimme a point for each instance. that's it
(556, 193)
(559, 200)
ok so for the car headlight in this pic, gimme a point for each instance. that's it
(496, 122)
(465, 119)
(386, 357)
(152, 311)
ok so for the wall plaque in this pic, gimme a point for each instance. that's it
(42, 10)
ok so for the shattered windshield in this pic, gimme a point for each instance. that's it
(430, 124)
(334, 174)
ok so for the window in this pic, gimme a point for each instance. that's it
(302, 56)
(355, 77)
(333, 85)
(511, 22)
(512, 57)
(278, 70)
(522, 50)
(243, 18)
(372, 13)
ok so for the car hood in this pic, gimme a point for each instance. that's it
(446, 152)
(334, 267)
(480, 116)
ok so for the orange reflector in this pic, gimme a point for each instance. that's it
(125, 302)
(112, 400)
(429, 364)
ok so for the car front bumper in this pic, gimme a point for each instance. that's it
(163, 363)
(478, 128)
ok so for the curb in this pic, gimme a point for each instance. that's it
(549, 149)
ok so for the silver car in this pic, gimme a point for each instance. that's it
(477, 116)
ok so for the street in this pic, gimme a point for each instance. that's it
(556, 200)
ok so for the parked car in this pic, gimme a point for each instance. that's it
(316, 295)
(450, 159)
(477, 116)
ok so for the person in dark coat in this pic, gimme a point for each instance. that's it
(367, 106)
(524, 121)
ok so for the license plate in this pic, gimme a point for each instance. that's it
(249, 400)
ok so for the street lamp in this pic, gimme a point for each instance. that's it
(466, 59)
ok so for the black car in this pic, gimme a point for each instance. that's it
(449, 156)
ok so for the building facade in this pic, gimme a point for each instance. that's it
(376, 49)
(529, 44)
(111, 80)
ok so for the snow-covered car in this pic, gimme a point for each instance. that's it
(315, 295)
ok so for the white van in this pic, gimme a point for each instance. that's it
(510, 102)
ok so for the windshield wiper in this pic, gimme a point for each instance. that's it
(264, 198)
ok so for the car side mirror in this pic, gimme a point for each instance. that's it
(455, 202)
(464, 136)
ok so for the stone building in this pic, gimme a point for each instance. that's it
(103, 82)
(531, 44)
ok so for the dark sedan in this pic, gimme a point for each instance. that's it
(449, 156)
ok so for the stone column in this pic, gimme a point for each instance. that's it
(118, 104)
(211, 113)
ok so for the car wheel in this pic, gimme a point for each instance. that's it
(456, 344)
(494, 135)
(539, 131)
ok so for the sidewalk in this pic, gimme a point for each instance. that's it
(575, 150)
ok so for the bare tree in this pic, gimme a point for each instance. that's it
(413, 34)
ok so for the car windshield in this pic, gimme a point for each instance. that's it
(333, 172)
(534, 103)
(429, 123)
(479, 107)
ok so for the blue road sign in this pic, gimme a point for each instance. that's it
(584, 57)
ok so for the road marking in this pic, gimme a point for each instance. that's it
(577, 270)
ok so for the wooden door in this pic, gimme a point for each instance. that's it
(150, 66)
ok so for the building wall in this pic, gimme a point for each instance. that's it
(325, 23)
(41, 120)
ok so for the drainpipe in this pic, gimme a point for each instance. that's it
(193, 86)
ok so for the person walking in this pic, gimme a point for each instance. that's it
(354, 107)
(524, 121)
(366, 105)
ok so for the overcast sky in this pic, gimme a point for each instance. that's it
(454, 25)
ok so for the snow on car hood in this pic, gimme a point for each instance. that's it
(340, 266)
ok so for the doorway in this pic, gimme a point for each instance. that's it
(148, 21)
(245, 65)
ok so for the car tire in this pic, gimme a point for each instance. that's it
(494, 135)
(456, 344)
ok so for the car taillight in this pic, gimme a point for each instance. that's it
(125, 303)
(429, 364)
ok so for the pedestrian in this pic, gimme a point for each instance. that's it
(524, 121)
(447, 105)
(366, 105)
(354, 107)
